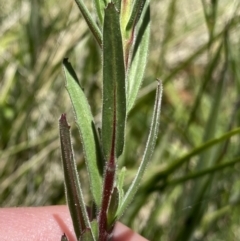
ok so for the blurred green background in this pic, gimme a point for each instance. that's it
(191, 189)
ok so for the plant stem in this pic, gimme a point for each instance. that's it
(108, 184)
(107, 191)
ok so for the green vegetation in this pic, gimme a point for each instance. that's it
(191, 186)
(123, 38)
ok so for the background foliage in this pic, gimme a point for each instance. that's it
(189, 191)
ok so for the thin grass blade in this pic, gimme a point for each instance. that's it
(194, 175)
(197, 151)
(207, 171)
(202, 187)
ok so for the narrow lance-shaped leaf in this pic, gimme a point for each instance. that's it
(114, 95)
(74, 195)
(135, 14)
(113, 206)
(139, 57)
(147, 153)
(114, 108)
(90, 22)
(86, 128)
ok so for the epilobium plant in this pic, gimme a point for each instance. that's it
(122, 32)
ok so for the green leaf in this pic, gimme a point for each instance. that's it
(176, 164)
(90, 22)
(85, 123)
(86, 235)
(120, 183)
(118, 4)
(126, 7)
(196, 151)
(136, 13)
(197, 174)
(100, 5)
(112, 209)
(74, 195)
(152, 137)
(114, 95)
(94, 227)
(139, 57)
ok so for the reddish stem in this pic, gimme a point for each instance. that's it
(108, 182)
(107, 192)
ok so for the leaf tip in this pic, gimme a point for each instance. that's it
(64, 237)
(159, 81)
(63, 120)
(65, 60)
(159, 87)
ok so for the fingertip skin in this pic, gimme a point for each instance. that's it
(36, 223)
(47, 224)
(123, 233)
